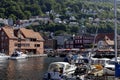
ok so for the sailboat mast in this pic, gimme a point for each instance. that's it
(115, 31)
(115, 27)
(93, 46)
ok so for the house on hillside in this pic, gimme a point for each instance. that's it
(22, 39)
(105, 42)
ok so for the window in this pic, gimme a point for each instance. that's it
(37, 45)
(67, 67)
(33, 39)
(22, 45)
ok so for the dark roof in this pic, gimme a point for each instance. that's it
(101, 36)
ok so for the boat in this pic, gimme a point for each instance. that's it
(64, 69)
(101, 61)
(109, 68)
(3, 56)
(18, 55)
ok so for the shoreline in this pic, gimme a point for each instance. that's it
(37, 55)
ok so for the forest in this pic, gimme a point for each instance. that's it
(24, 9)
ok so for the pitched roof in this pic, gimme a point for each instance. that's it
(31, 34)
(102, 36)
(108, 41)
(9, 32)
(27, 33)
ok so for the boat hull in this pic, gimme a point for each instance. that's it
(4, 57)
(15, 58)
(107, 71)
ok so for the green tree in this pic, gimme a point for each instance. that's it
(28, 14)
(13, 17)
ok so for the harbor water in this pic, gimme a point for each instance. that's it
(32, 69)
(26, 69)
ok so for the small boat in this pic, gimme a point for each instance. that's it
(64, 68)
(3, 56)
(96, 70)
(18, 55)
(101, 61)
(97, 66)
(109, 68)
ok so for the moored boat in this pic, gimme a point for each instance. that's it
(60, 70)
(109, 68)
(3, 56)
(18, 55)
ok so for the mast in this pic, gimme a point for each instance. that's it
(115, 31)
(93, 46)
(115, 27)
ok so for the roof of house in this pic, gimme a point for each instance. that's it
(31, 34)
(102, 36)
(9, 32)
(108, 41)
(27, 33)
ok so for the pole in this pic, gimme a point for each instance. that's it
(93, 46)
(115, 24)
(19, 39)
(115, 32)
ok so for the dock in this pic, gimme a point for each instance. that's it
(37, 55)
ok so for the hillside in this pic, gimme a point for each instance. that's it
(24, 9)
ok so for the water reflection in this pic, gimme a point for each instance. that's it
(28, 69)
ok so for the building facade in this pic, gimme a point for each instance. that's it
(83, 41)
(22, 39)
(50, 44)
(80, 41)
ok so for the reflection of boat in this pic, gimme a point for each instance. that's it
(3, 56)
(18, 55)
(65, 68)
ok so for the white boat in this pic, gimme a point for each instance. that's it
(66, 68)
(109, 68)
(3, 56)
(101, 61)
(18, 55)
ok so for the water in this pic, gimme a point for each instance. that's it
(26, 69)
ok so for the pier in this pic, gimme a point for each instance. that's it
(37, 55)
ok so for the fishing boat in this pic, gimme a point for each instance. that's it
(18, 55)
(63, 68)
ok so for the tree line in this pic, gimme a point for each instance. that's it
(24, 9)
